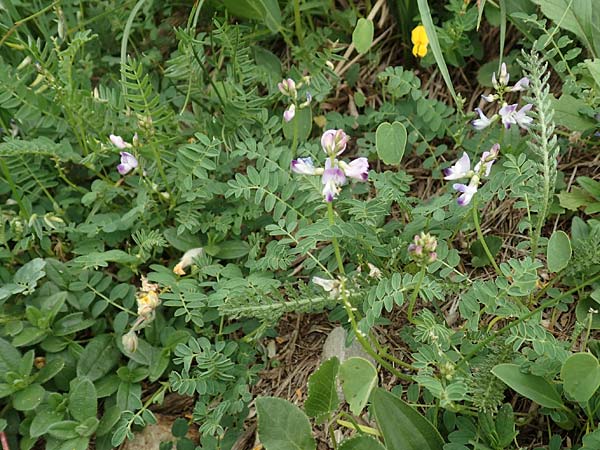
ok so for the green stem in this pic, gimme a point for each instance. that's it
(350, 309)
(363, 341)
(295, 136)
(109, 301)
(334, 241)
(481, 238)
(298, 22)
(383, 352)
(415, 294)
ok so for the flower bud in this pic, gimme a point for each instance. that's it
(422, 250)
(334, 142)
(130, 342)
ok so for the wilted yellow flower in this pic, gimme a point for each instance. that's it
(420, 41)
(147, 302)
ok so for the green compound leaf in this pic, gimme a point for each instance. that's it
(390, 140)
(322, 391)
(362, 36)
(283, 426)
(581, 376)
(533, 387)
(358, 377)
(361, 443)
(402, 427)
(559, 251)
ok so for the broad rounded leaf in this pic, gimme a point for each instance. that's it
(533, 387)
(83, 401)
(265, 10)
(303, 123)
(98, 357)
(282, 425)
(10, 358)
(559, 251)
(362, 36)
(322, 390)
(390, 140)
(42, 422)
(581, 376)
(28, 398)
(358, 377)
(402, 427)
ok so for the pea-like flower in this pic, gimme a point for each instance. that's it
(462, 169)
(357, 169)
(336, 172)
(422, 249)
(128, 163)
(334, 142)
(333, 179)
(288, 88)
(420, 41)
(482, 122)
(503, 78)
(467, 192)
(303, 166)
(331, 286)
(119, 142)
(289, 113)
(187, 260)
(510, 115)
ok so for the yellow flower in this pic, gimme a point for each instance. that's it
(420, 41)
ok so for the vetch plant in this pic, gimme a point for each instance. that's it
(462, 169)
(509, 114)
(289, 88)
(335, 173)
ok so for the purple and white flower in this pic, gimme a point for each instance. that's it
(487, 159)
(467, 192)
(520, 85)
(503, 78)
(334, 142)
(461, 169)
(490, 98)
(482, 122)
(289, 113)
(303, 166)
(336, 172)
(128, 163)
(357, 169)
(510, 115)
(333, 178)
